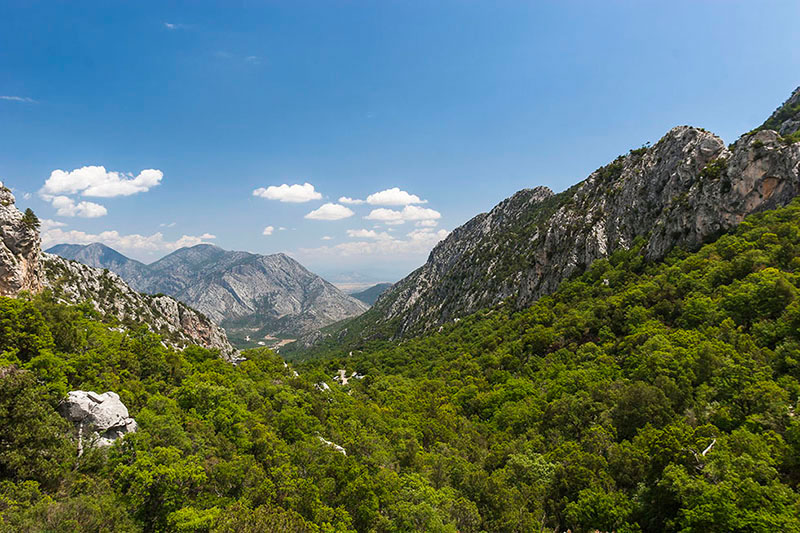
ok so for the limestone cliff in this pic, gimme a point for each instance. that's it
(683, 191)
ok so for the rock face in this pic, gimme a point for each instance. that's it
(23, 267)
(178, 324)
(255, 295)
(102, 418)
(786, 119)
(19, 249)
(684, 190)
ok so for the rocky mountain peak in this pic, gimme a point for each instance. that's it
(20, 248)
(786, 119)
(23, 267)
(682, 191)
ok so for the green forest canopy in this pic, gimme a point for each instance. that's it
(638, 397)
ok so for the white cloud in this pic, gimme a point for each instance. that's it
(410, 213)
(23, 99)
(394, 196)
(426, 223)
(254, 60)
(327, 238)
(170, 26)
(281, 229)
(330, 212)
(66, 207)
(289, 193)
(268, 230)
(97, 181)
(415, 243)
(50, 224)
(351, 201)
(53, 234)
(167, 225)
(367, 234)
(26, 196)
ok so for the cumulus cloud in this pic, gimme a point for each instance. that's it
(330, 211)
(427, 223)
(417, 242)
(47, 224)
(410, 213)
(67, 207)
(351, 201)
(394, 196)
(289, 193)
(268, 230)
(52, 234)
(327, 238)
(23, 99)
(367, 234)
(98, 182)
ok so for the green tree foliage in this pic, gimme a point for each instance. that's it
(30, 220)
(638, 397)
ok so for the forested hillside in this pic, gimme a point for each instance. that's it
(638, 397)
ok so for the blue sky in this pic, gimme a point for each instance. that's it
(190, 107)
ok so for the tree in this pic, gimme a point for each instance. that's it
(30, 220)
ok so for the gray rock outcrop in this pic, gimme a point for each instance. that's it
(100, 419)
(20, 249)
(686, 189)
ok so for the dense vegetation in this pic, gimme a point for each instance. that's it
(639, 397)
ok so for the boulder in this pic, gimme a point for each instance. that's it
(102, 415)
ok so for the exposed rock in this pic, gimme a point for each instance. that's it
(683, 191)
(23, 267)
(249, 294)
(102, 416)
(178, 324)
(20, 249)
(786, 119)
(334, 446)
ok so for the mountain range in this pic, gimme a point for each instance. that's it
(686, 189)
(253, 296)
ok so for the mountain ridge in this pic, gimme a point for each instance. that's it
(687, 188)
(24, 268)
(251, 295)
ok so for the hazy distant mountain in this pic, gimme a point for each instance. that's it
(370, 295)
(251, 295)
(100, 256)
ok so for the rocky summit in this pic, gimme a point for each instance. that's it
(20, 248)
(682, 191)
(23, 267)
(252, 295)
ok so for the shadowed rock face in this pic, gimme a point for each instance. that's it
(684, 190)
(20, 249)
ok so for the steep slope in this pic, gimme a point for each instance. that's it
(23, 267)
(251, 295)
(370, 296)
(20, 248)
(682, 191)
(100, 256)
